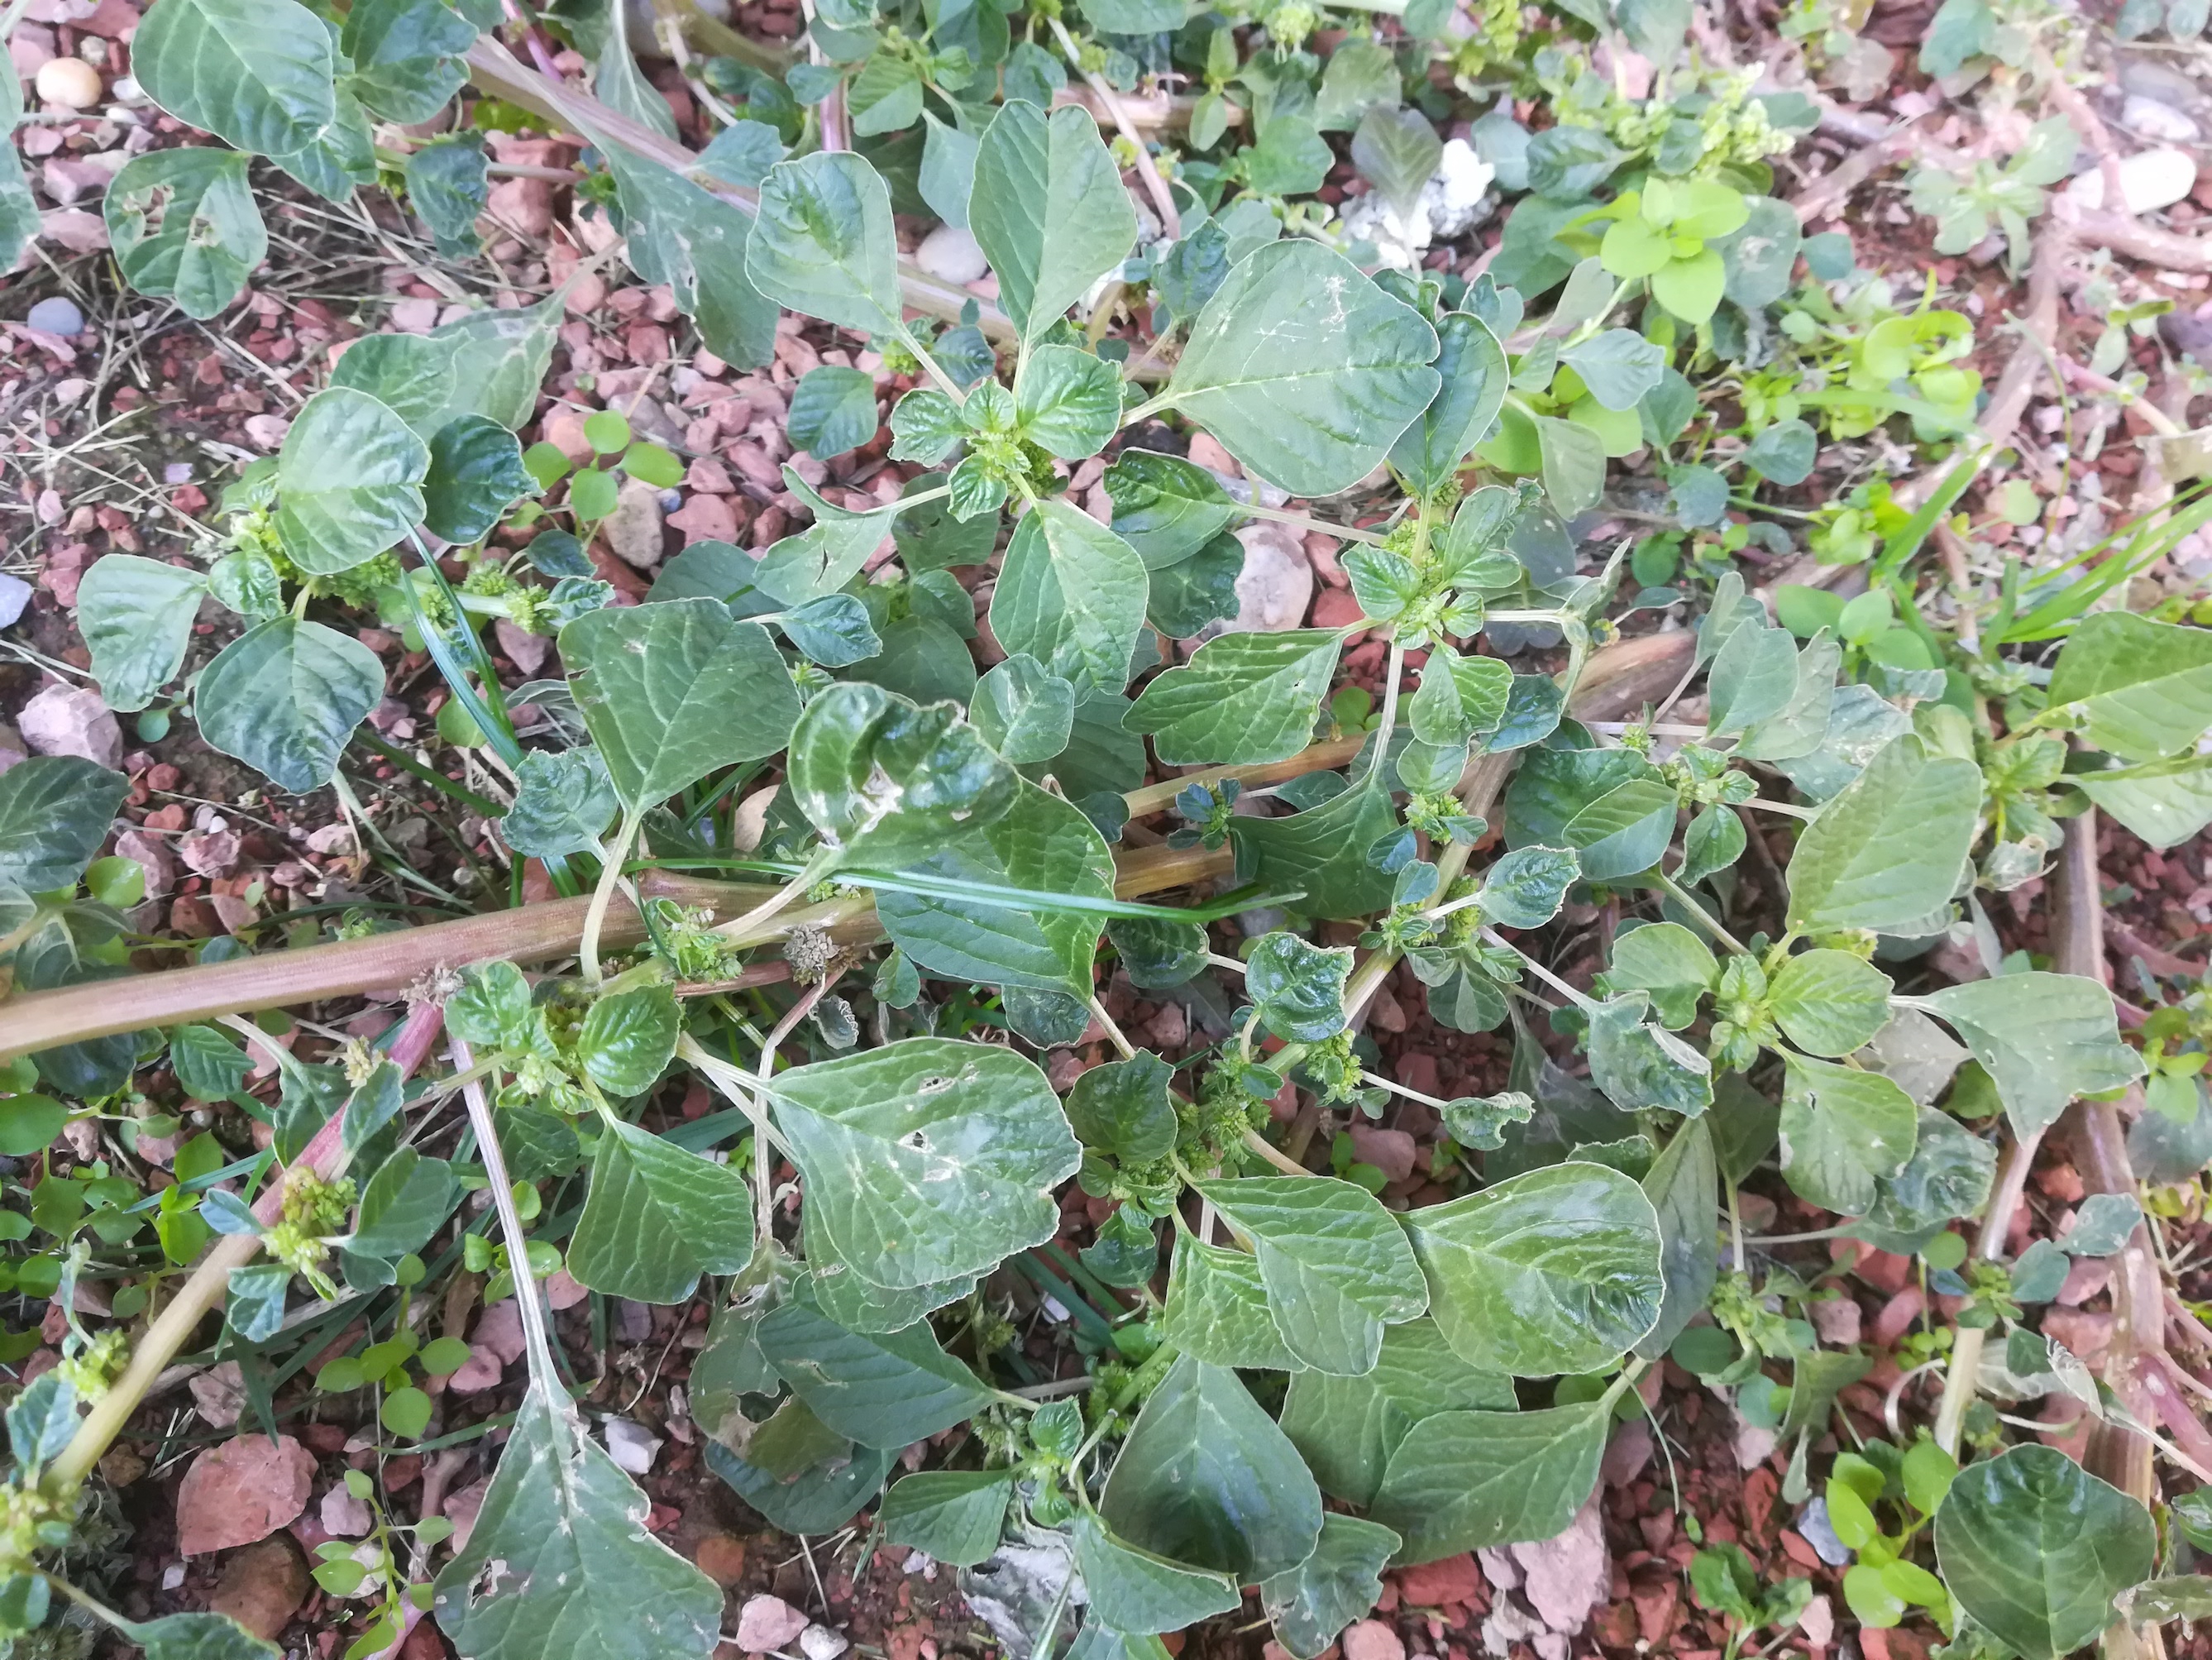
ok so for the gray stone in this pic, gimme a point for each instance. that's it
(57, 315)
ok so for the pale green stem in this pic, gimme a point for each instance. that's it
(1581, 999)
(930, 365)
(1688, 901)
(1098, 1013)
(536, 1345)
(1305, 521)
(817, 868)
(1387, 721)
(611, 855)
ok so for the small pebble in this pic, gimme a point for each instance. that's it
(69, 82)
(56, 316)
(951, 255)
(631, 1446)
(1812, 1524)
(2153, 119)
(820, 1642)
(14, 595)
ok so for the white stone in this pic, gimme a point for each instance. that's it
(632, 1445)
(2149, 180)
(768, 1622)
(345, 1515)
(2152, 119)
(1452, 201)
(1276, 584)
(14, 595)
(951, 255)
(820, 1642)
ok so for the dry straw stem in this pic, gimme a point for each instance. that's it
(1616, 678)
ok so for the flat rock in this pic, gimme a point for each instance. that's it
(2149, 180)
(71, 720)
(242, 1492)
(262, 1586)
(768, 1622)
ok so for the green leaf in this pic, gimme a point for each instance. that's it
(1754, 677)
(207, 1062)
(629, 1037)
(1048, 210)
(1948, 1175)
(495, 361)
(2103, 1224)
(1166, 507)
(1640, 1066)
(284, 697)
(953, 1516)
(1396, 150)
(563, 803)
(1069, 401)
(1042, 844)
(1310, 1605)
(948, 170)
(197, 1637)
(406, 1201)
(1683, 1185)
(885, 1389)
(1691, 287)
(136, 616)
(256, 73)
(822, 245)
(1670, 963)
(1886, 852)
(1623, 831)
(657, 1217)
(404, 56)
(1336, 1266)
(929, 1158)
(2035, 1548)
(1473, 366)
(54, 815)
(410, 374)
(704, 249)
(449, 186)
(348, 482)
(1554, 1271)
(890, 781)
(42, 1420)
(1217, 1309)
(1071, 595)
(1123, 1108)
(1023, 711)
(824, 557)
(1242, 699)
(1801, 723)
(1830, 1001)
(2045, 1039)
(1843, 1127)
(2143, 689)
(1618, 366)
(1524, 889)
(671, 691)
(1297, 988)
(1136, 1591)
(1759, 257)
(820, 1499)
(833, 410)
(1347, 1428)
(1468, 1480)
(184, 227)
(476, 474)
(1206, 1477)
(560, 1560)
(1459, 697)
(1322, 853)
(1304, 369)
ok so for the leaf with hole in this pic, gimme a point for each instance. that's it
(184, 227)
(929, 1158)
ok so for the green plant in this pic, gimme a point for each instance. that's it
(971, 823)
